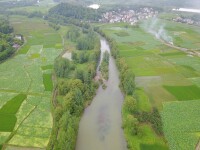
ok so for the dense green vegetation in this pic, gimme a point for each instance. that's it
(104, 65)
(72, 13)
(75, 88)
(7, 40)
(85, 39)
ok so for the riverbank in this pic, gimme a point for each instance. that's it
(101, 122)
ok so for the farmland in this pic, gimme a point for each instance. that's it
(43, 94)
(181, 124)
(26, 87)
(166, 78)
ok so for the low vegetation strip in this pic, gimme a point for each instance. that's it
(184, 92)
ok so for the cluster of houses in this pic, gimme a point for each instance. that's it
(19, 38)
(186, 20)
(129, 16)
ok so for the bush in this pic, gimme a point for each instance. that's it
(62, 67)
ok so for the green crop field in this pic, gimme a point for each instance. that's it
(26, 85)
(12, 106)
(8, 111)
(165, 75)
(184, 92)
(47, 79)
(181, 124)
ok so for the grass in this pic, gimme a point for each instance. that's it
(184, 92)
(181, 124)
(47, 80)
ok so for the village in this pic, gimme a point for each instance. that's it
(186, 20)
(128, 16)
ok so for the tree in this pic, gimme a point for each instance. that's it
(73, 34)
(129, 82)
(74, 56)
(76, 84)
(130, 104)
(83, 57)
(6, 39)
(62, 67)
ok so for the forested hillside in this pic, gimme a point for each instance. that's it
(72, 11)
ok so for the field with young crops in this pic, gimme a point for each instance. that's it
(181, 124)
(166, 77)
(26, 86)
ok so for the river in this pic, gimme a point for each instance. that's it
(100, 125)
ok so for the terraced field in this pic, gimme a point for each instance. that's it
(26, 86)
(168, 80)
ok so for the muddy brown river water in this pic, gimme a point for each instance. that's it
(100, 125)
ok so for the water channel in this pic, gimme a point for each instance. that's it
(100, 125)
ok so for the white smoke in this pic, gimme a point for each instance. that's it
(158, 30)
